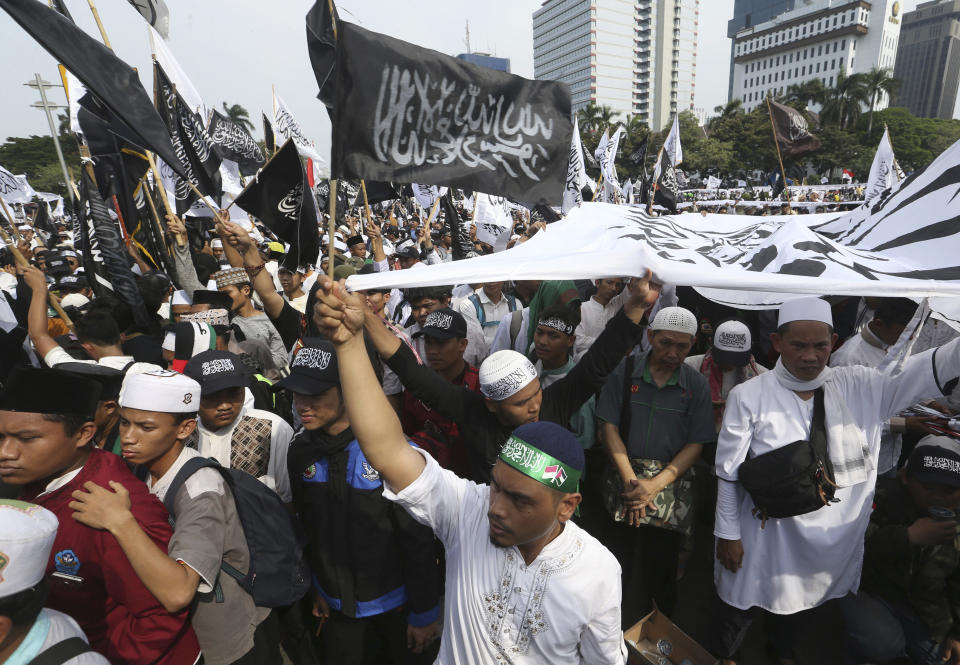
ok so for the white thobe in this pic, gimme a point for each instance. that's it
(594, 318)
(218, 443)
(796, 563)
(493, 313)
(865, 349)
(564, 608)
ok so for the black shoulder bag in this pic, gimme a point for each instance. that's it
(795, 479)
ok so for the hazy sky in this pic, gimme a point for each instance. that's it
(234, 50)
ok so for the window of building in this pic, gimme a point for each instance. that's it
(778, 61)
(820, 50)
(818, 67)
(834, 21)
(831, 81)
(803, 71)
(843, 44)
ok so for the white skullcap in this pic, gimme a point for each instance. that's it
(181, 297)
(216, 243)
(805, 309)
(161, 390)
(340, 245)
(27, 533)
(169, 341)
(74, 300)
(675, 319)
(7, 281)
(504, 374)
(733, 336)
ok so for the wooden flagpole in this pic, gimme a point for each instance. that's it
(181, 241)
(776, 144)
(96, 17)
(331, 227)
(161, 228)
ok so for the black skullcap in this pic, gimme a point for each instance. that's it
(50, 391)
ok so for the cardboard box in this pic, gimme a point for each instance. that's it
(655, 626)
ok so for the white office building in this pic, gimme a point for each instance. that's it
(818, 39)
(636, 56)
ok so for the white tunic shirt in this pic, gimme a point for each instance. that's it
(563, 608)
(217, 444)
(796, 563)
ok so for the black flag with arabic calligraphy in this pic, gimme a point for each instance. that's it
(276, 198)
(403, 113)
(234, 143)
(194, 148)
(664, 182)
(793, 133)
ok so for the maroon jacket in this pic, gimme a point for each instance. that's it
(121, 618)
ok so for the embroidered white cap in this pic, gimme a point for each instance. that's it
(675, 319)
(74, 300)
(27, 532)
(731, 344)
(160, 390)
(805, 309)
(504, 374)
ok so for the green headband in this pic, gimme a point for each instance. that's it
(540, 466)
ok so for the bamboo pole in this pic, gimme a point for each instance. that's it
(366, 203)
(161, 228)
(181, 241)
(331, 227)
(776, 144)
(96, 17)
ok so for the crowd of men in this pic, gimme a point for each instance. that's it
(270, 465)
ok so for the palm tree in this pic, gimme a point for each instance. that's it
(237, 114)
(875, 82)
(594, 118)
(842, 104)
(808, 92)
(724, 111)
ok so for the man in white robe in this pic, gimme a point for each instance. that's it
(784, 566)
(524, 584)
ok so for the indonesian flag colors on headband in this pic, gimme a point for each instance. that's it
(546, 452)
(805, 309)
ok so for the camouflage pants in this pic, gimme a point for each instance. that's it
(674, 503)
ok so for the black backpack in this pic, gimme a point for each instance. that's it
(795, 479)
(278, 574)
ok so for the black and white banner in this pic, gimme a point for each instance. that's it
(13, 189)
(494, 222)
(908, 245)
(883, 172)
(576, 172)
(404, 113)
(234, 143)
(286, 127)
(671, 145)
(191, 142)
(155, 13)
(427, 194)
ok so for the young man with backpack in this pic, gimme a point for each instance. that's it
(488, 306)
(158, 413)
(375, 571)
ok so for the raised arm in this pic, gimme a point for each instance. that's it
(238, 241)
(340, 316)
(37, 314)
(186, 272)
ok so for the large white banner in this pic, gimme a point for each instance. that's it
(907, 245)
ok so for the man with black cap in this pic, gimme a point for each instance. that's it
(908, 603)
(107, 416)
(376, 579)
(524, 584)
(238, 437)
(357, 247)
(444, 340)
(407, 254)
(46, 429)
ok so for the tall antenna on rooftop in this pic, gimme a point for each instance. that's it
(467, 40)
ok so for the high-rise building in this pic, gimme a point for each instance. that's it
(928, 59)
(747, 13)
(487, 60)
(636, 56)
(816, 40)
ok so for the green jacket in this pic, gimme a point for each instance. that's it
(926, 577)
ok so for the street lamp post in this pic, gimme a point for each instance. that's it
(42, 85)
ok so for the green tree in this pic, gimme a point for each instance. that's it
(239, 115)
(806, 93)
(36, 157)
(843, 103)
(875, 82)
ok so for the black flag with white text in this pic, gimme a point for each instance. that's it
(234, 143)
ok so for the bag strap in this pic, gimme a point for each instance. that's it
(516, 320)
(478, 306)
(818, 433)
(61, 652)
(625, 410)
(190, 467)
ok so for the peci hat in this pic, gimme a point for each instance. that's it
(675, 319)
(314, 369)
(230, 277)
(49, 391)
(110, 379)
(732, 344)
(805, 309)
(216, 370)
(27, 532)
(161, 391)
(444, 323)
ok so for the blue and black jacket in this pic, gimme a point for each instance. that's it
(367, 555)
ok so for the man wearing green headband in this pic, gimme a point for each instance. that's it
(524, 584)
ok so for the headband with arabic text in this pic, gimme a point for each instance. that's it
(545, 469)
